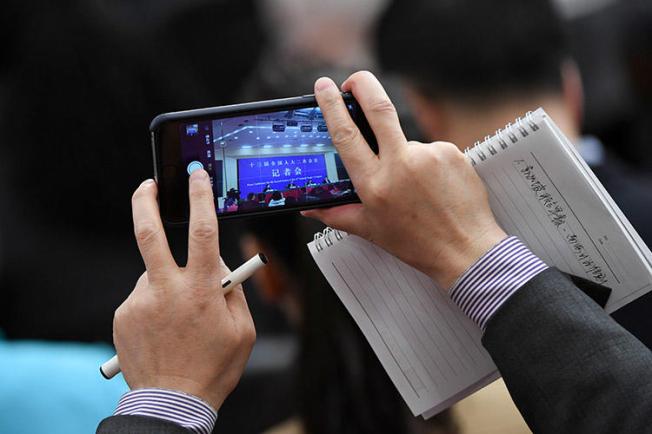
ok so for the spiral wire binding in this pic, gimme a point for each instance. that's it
(326, 236)
(483, 149)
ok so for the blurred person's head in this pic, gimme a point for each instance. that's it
(277, 195)
(472, 66)
(335, 32)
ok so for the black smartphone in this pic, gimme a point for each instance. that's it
(262, 157)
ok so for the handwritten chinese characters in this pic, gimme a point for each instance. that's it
(557, 213)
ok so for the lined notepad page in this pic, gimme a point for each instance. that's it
(430, 350)
(540, 190)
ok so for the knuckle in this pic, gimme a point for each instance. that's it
(203, 230)
(145, 308)
(459, 158)
(142, 281)
(378, 193)
(330, 102)
(200, 193)
(250, 334)
(344, 135)
(146, 231)
(448, 149)
(233, 339)
(329, 98)
(118, 315)
(452, 154)
(382, 106)
(424, 159)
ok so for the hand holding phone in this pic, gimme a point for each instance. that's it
(422, 202)
(177, 330)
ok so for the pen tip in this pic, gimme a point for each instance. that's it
(263, 258)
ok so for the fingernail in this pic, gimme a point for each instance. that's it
(147, 182)
(323, 83)
(198, 175)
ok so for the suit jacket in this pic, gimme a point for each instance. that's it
(569, 367)
(139, 425)
(632, 191)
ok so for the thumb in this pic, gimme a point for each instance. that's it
(348, 218)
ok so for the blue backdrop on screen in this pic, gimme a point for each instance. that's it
(278, 172)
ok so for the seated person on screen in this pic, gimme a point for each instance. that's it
(267, 188)
(336, 191)
(250, 203)
(322, 193)
(230, 204)
(277, 199)
(291, 185)
(312, 196)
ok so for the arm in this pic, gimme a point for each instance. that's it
(182, 343)
(567, 345)
(569, 367)
(139, 424)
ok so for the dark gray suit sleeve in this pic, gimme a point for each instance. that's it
(139, 425)
(568, 366)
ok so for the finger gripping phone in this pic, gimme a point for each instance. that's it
(262, 157)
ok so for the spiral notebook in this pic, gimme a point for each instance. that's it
(539, 189)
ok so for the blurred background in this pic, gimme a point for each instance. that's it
(81, 80)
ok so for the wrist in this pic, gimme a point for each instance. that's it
(191, 412)
(460, 255)
(210, 395)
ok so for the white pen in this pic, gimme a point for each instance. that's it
(111, 367)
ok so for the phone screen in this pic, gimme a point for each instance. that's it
(267, 161)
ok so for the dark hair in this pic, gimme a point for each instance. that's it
(277, 195)
(473, 48)
(233, 194)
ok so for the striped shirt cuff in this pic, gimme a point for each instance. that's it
(498, 274)
(186, 410)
